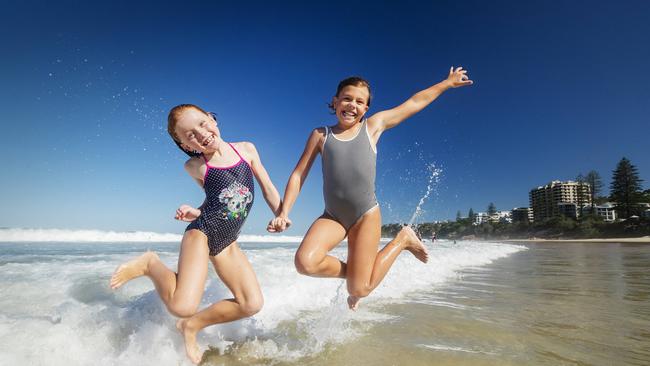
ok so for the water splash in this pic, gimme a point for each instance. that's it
(434, 179)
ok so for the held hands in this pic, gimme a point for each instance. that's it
(187, 213)
(458, 78)
(278, 224)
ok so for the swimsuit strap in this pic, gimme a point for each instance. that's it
(208, 166)
(237, 152)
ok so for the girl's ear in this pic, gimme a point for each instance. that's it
(184, 147)
(335, 101)
(213, 117)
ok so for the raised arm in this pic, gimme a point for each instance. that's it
(300, 172)
(390, 118)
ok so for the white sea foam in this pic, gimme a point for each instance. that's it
(269, 239)
(442, 347)
(60, 311)
(18, 235)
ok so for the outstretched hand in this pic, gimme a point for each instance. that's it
(458, 77)
(278, 224)
(187, 213)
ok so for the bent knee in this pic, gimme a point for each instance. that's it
(359, 290)
(182, 310)
(252, 306)
(305, 265)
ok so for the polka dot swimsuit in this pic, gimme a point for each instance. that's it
(229, 195)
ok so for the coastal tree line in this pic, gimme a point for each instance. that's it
(625, 191)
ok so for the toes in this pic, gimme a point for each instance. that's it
(353, 303)
(195, 355)
(114, 283)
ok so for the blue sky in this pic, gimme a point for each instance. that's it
(561, 88)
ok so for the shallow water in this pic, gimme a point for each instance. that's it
(57, 308)
(554, 304)
(474, 304)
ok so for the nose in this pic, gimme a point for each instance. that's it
(202, 133)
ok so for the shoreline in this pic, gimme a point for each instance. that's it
(638, 240)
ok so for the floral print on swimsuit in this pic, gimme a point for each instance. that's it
(236, 197)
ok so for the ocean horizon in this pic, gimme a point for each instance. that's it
(33, 235)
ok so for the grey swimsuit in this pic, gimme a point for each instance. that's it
(349, 168)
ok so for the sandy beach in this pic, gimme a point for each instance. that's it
(640, 240)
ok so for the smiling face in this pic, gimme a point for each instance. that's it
(197, 131)
(351, 104)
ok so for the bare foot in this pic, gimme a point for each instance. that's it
(189, 335)
(353, 302)
(131, 269)
(412, 243)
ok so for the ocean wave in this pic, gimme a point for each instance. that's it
(99, 236)
(302, 316)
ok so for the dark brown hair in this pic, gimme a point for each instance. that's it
(353, 81)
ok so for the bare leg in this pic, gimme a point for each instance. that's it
(312, 258)
(180, 292)
(237, 274)
(134, 268)
(366, 267)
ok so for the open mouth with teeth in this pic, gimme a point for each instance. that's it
(208, 141)
(348, 114)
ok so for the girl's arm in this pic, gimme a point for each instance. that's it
(269, 191)
(193, 166)
(187, 213)
(390, 118)
(300, 172)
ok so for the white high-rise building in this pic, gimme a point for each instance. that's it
(559, 198)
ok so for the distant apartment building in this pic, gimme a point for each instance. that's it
(481, 217)
(559, 198)
(522, 214)
(606, 211)
(568, 209)
(502, 216)
(499, 216)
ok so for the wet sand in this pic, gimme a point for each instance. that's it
(642, 240)
(553, 304)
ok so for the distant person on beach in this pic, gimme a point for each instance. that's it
(348, 151)
(225, 171)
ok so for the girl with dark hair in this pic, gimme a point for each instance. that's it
(348, 151)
